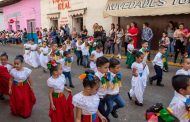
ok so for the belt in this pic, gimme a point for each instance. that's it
(33, 50)
(57, 95)
(140, 74)
(45, 54)
(92, 117)
(20, 83)
(112, 94)
(27, 48)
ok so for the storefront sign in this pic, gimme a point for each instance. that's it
(64, 21)
(62, 4)
(146, 7)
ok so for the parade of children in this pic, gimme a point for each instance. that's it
(82, 84)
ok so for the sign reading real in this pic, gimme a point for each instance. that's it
(62, 4)
(133, 4)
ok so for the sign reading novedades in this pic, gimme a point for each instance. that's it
(134, 4)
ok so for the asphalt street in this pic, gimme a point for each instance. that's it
(130, 113)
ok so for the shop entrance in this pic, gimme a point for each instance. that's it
(78, 23)
(54, 23)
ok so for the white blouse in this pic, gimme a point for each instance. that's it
(96, 54)
(28, 46)
(88, 104)
(57, 84)
(34, 47)
(138, 67)
(44, 50)
(20, 75)
(183, 72)
(8, 66)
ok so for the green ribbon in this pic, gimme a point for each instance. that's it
(166, 116)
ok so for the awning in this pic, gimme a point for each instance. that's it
(53, 15)
(127, 8)
(77, 12)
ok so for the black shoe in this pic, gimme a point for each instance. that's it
(114, 114)
(65, 84)
(129, 96)
(138, 104)
(165, 70)
(72, 86)
(150, 81)
(2, 97)
(161, 85)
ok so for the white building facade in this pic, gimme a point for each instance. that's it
(76, 13)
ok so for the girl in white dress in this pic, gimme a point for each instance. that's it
(87, 101)
(44, 50)
(56, 84)
(139, 79)
(22, 98)
(34, 56)
(94, 56)
(27, 48)
(68, 44)
(5, 68)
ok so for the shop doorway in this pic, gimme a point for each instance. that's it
(78, 23)
(31, 30)
(54, 23)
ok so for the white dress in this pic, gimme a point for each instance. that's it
(27, 48)
(139, 83)
(44, 57)
(21, 75)
(34, 57)
(57, 84)
(88, 104)
(92, 63)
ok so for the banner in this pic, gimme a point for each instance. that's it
(127, 8)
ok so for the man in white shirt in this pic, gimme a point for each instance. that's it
(181, 86)
(158, 66)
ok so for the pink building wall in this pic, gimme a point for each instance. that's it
(22, 12)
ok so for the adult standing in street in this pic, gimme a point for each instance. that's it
(127, 38)
(84, 32)
(133, 33)
(180, 36)
(24, 36)
(118, 39)
(147, 35)
(67, 30)
(103, 38)
(112, 33)
(170, 31)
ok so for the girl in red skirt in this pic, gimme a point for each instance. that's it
(5, 67)
(87, 101)
(21, 93)
(58, 104)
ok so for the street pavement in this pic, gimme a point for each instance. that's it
(130, 113)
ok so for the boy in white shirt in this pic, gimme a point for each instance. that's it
(186, 68)
(181, 85)
(66, 63)
(85, 53)
(158, 66)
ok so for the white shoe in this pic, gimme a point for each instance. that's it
(119, 56)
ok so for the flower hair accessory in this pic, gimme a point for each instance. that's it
(89, 76)
(51, 63)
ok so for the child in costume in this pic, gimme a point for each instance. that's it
(130, 56)
(185, 68)
(5, 68)
(66, 63)
(114, 100)
(79, 50)
(62, 50)
(166, 42)
(102, 64)
(27, 50)
(94, 56)
(87, 101)
(44, 50)
(180, 102)
(34, 60)
(85, 53)
(139, 79)
(158, 66)
(58, 103)
(144, 50)
(21, 93)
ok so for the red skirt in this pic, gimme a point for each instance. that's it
(22, 100)
(4, 80)
(90, 118)
(60, 114)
